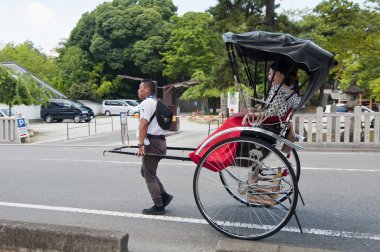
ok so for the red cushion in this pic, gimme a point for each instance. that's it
(223, 158)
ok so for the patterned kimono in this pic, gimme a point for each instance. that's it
(279, 107)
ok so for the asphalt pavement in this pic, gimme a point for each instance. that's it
(69, 182)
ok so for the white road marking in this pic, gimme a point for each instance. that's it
(192, 164)
(314, 231)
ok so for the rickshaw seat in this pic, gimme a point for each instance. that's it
(224, 158)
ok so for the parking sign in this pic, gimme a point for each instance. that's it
(21, 122)
(22, 130)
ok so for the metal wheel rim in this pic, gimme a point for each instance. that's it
(76, 119)
(244, 229)
(48, 119)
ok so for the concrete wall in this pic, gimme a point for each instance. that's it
(96, 107)
(18, 236)
(33, 112)
(29, 112)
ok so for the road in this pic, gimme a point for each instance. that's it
(71, 183)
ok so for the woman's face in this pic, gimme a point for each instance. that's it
(277, 78)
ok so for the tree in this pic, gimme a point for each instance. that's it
(201, 91)
(20, 89)
(31, 58)
(118, 37)
(192, 46)
(352, 34)
(238, 16)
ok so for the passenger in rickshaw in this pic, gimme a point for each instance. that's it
(277, 105)
(278, 108)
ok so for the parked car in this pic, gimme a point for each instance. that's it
(60, 109)
(4, 112)
(342, 108)
(133, 105)
(114, 107)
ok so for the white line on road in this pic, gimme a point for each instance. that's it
(314, 231)
(192, 164)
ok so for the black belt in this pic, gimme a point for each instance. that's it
(156, 136)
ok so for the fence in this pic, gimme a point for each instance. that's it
(339, 129)
(92, 127)
(8, 130)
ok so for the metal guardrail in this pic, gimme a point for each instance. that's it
(96, 123)
(209, 125)
(88, 125)
(76, 127)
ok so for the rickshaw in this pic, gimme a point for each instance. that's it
(244, 185)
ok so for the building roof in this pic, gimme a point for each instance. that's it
(353, 89)
(19, 69)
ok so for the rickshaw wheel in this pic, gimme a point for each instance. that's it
(295, 163)
(256, 198)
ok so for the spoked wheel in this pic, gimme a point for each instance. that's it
(295, 163)
(245, 196)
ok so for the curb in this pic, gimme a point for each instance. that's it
(251, 246)
(23, 236)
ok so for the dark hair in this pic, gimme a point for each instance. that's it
(150, 84)
(280, 67)
(283, 68)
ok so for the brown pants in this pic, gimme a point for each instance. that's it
(149, 169)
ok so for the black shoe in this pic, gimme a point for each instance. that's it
(166, 198)
(154, 210)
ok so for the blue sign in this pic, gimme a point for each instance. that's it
(123, 114)
(123, 117)
(21, 123)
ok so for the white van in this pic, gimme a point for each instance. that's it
(134, 107)
(114, 107)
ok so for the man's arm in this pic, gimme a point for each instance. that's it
(143, 130)
(142, 135)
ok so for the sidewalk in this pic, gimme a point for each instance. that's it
(68, 131)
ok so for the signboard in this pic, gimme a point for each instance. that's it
(233, 102)
(22, 130)
(123, 117)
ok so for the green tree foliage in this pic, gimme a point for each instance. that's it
(192, 46)
(352, 34)
(75, 67)
(19, 89)
(118, 37)
(29, 57)
(238, 16)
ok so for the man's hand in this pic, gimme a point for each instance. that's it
(141, 151)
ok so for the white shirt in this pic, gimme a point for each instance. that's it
(147, 108)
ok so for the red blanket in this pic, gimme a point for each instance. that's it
(225, 154)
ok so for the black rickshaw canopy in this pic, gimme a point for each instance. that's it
(262, 46)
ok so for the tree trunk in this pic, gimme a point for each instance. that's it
(269, 15)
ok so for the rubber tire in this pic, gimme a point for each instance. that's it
(297, 169)
(76, 118)
(87, 120)
(225, 232)
(107, 113)
(49, 119)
